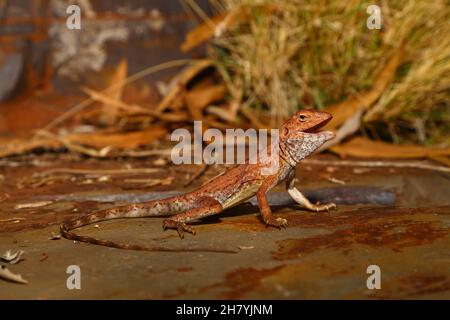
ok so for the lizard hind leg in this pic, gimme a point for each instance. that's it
(206, 206)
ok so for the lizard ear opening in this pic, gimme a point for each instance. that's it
(285, 131)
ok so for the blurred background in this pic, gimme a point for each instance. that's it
(231, 64)
(44, 65)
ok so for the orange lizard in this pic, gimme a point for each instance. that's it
(298, 138)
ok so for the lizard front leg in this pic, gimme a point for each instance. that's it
(206, 206)
(264, 207)
(302, 200)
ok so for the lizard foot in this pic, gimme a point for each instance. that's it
(181, 227)
(276, 222)
(323, 207)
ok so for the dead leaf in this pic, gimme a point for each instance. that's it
(179, 83)
(366, 148)
(217, 25)
(12, 258)
(118, 139)
(20, 146)
(142, 93)
(205, 31)
(133, 109)
(32, 205)
(75, 147)
(110, 111)
(199, 98)
(106, 99)
(7, 275)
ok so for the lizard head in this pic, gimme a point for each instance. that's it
(301, 135)
(307, 121)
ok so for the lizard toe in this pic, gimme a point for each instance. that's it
(277, 223)
(189, 229)
(181, 227)
(324, 207)
(282, 222)
(330, 206)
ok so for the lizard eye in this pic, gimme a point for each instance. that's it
(302, 117)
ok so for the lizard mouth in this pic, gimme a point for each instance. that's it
(318, 126)
(316, 129)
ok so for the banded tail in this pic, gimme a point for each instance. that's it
(153, 208)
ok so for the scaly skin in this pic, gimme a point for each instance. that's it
(298, 138)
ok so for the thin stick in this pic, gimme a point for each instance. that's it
(102, 153)
(12, 219)
(195, 8)
(98, 96)
(85, 103)
(100, 171)
(377, 164)
(146, 153)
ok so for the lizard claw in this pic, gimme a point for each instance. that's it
(329, 206)
(181, 227)
(318, 207)
(277, 222)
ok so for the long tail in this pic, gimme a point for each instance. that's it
(140, 210)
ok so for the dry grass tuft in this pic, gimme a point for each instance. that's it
(288, 54)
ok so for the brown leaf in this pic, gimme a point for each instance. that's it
(218, 24)
(20, 146)
(119, 75)
(199, 98)
(366, 148)
(206, 30)
(141, 93)
(221, 112)
(180, 82)
(119, 140)
(134, 109)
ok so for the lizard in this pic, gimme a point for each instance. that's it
(299, 136)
